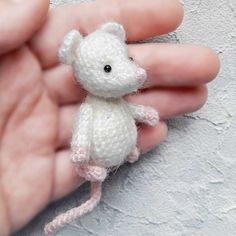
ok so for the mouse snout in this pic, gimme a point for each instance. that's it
(141, 75)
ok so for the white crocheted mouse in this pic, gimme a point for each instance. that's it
(105, 133)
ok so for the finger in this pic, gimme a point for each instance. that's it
(141, 20)
(168, 102)
(18, 84)
(4, 214)
(166, 65)
(66, 180)
(176, 65)
(172, 102)
(150, 137)
(16, 22)
(62, 86)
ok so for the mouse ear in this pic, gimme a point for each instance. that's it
(67, 50)
(114, 28)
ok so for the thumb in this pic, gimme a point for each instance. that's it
(19, 19)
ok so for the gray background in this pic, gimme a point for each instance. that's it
(187, 185)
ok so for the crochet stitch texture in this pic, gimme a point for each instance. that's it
(105, 133)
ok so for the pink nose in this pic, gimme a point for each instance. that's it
(141, 75)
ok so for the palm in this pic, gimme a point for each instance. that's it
(29, 139)
(37, 105)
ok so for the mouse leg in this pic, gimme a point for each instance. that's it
(134, 155)
(92, 173)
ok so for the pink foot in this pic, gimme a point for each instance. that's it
(151, 116)
(79, 154)
(133, 156)
(92, 173)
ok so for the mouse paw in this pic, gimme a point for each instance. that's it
(151, 116)
(133, 156)
(92, 173)
(79, 154)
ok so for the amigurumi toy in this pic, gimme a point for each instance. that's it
(105, 133)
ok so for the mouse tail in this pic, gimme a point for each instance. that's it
(65, 218)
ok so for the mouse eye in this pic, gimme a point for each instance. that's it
(107, 68)
(131, 58)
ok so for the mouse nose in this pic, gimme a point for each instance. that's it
(141, 76)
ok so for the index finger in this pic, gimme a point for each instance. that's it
(140, 18)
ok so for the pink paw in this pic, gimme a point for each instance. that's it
(92, 173)
(133, 156)
(151, 116)
(79, 154)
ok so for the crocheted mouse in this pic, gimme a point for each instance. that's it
(105, 134)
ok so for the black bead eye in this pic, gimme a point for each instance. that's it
(107, 68)
(131, 58)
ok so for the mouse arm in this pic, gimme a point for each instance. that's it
(144, 114)
(81, 138)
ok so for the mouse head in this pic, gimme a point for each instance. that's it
(101, 61)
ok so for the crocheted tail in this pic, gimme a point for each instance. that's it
(65, 218)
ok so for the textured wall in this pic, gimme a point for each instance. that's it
(187, 185)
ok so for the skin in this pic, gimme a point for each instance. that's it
(38, 96)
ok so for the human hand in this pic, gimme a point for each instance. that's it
(38, 96)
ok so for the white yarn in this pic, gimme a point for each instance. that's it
(105, 130)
